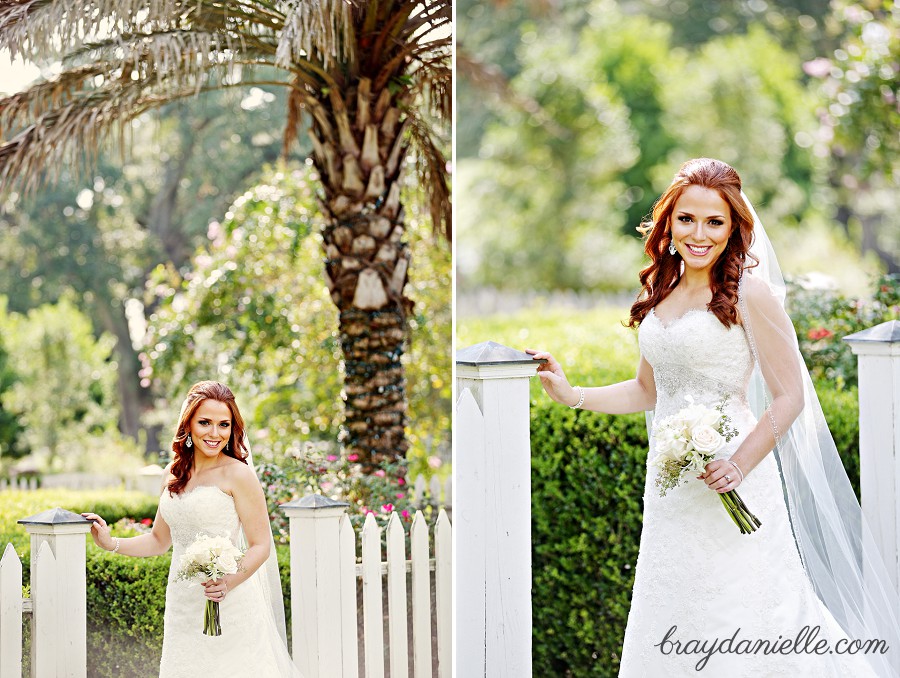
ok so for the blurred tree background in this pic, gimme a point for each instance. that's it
(196, 255)
(575, 115)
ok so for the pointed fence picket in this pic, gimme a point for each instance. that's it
(396, 565)
(11, 611)
(405, 628)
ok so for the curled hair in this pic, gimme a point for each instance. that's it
(660, 276)
(184, 455)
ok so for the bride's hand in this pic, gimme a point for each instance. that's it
(553, 379)
(100, 532)
(217, 589)
(721, 476)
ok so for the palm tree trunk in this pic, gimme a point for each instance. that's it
(359, 144)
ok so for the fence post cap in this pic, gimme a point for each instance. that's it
(883, 338)
(314, 501)
(887, 332)
(57, 516)
(492, 353)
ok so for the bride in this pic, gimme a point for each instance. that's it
(806, 593)
(211, 489)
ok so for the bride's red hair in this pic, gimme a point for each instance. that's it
(659, 277)
(184, 455)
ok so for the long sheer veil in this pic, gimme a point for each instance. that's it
(833, 538)
(269, 573)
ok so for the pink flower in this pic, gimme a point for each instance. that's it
(434, 462)
(387, 508)
(352, 457)
(380, 473)
(332, 457)
(404, 513)
(401, 481)
(400, 495)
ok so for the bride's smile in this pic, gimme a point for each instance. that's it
(701, 225)
(211, 427)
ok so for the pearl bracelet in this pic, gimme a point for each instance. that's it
(737, 468)
(580, 400)
(116, 550)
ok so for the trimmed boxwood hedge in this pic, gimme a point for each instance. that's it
(587, 487)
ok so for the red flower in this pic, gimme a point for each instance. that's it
(820, 333)
(147, 521)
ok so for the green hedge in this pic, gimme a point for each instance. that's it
(587, 483)
(587, 479)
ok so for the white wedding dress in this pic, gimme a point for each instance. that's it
(695, 570)
(250, 644)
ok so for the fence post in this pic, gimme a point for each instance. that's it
(316, 585)
(878, 351)
(63, 532)
(493, 468)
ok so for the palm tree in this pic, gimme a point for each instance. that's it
(371, 81)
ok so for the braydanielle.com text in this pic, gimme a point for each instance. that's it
(805, 642)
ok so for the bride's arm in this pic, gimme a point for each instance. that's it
(773, 334)
(155, 543)
(250, 503)
(634, 395)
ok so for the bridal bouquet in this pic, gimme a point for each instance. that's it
(206, 559)
(686, 442)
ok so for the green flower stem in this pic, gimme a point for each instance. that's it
(745, 520)
(212, 624)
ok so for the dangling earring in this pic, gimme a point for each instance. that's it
(189, 442)
(226, 447)
(672, 249)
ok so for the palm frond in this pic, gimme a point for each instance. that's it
(322, 29)
(432, 175)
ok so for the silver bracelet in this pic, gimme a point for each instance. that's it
(580, 400)
(737, 468)
(116, 550)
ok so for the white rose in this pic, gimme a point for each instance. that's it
(706, 439)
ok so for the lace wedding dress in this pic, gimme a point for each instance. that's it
(250, 644)
(695, 570)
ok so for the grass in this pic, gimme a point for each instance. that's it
(111, 504)
(592, 346)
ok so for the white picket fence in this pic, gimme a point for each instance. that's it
(329, 588)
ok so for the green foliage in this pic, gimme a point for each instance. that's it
(65, 392)
(254, 313)
(11, 444)
(822, 318)
(860, 85)
(587, 482)
(322, 471)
